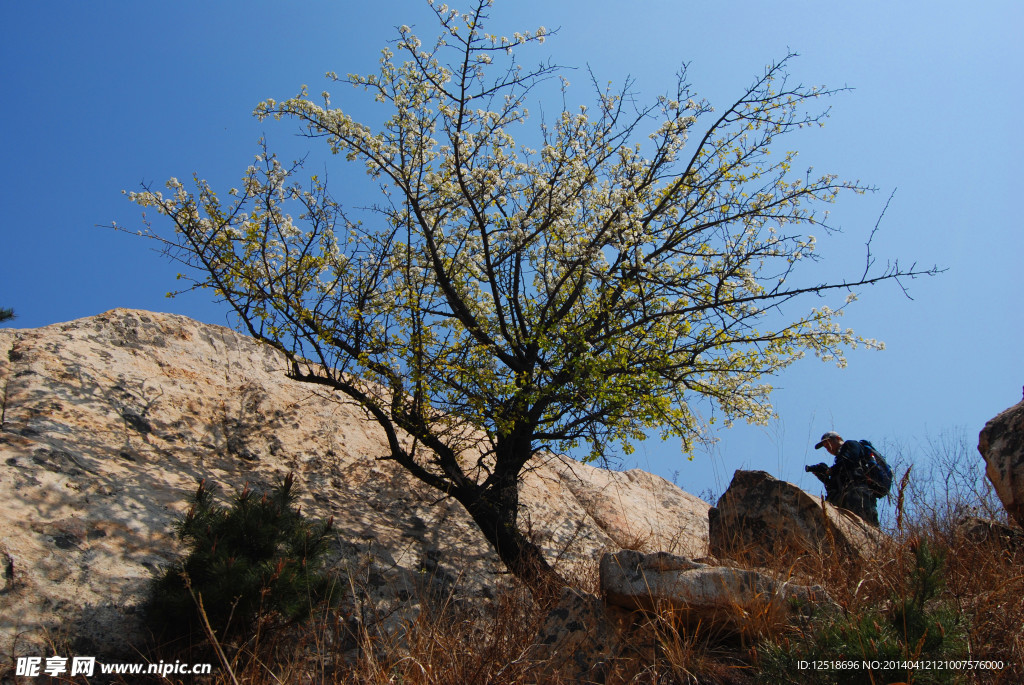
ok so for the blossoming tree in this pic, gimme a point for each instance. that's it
(503, 301)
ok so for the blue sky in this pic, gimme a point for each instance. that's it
(104, 95)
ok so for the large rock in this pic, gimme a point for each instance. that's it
(722, 599)
(636, 509)
(760, 518)
(1001, 443)
(979, 531)
(580, 638)
(108, 422)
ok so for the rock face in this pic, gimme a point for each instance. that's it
(586, 632)
(108, 423)
(1001, 443)
(720, 598)
(760, 516)
(981, 531)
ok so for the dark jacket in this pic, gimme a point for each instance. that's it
(845, 482)
(849, 466)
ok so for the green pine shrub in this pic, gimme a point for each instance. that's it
(257, 557)
(916, 624)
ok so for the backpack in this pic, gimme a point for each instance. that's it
(876, 470)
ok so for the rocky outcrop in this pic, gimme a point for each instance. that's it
(760, 517)
(722, 599)
(1001, 443)
(108, 423)
(979, 531)
(584, 634)
(638, 510)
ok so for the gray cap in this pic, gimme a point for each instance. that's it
(826, 437)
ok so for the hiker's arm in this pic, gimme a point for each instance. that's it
(822, 472)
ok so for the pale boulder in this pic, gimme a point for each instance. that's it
(722, 599)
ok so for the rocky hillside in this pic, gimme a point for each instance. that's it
(109, 422)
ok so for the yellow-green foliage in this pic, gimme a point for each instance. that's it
(591, 286)
(575, 284)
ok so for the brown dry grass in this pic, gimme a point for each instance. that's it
(493, 640)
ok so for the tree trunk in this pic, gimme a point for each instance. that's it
(494, 507)
(495, 510)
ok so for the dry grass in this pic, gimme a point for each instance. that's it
(982, 580)
(493, 641)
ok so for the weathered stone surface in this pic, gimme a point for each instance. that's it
(720, 598)
(1001, 443)
(582, 636)
(759, 517)
(638, 510)
(108, 422)
(981, 531)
